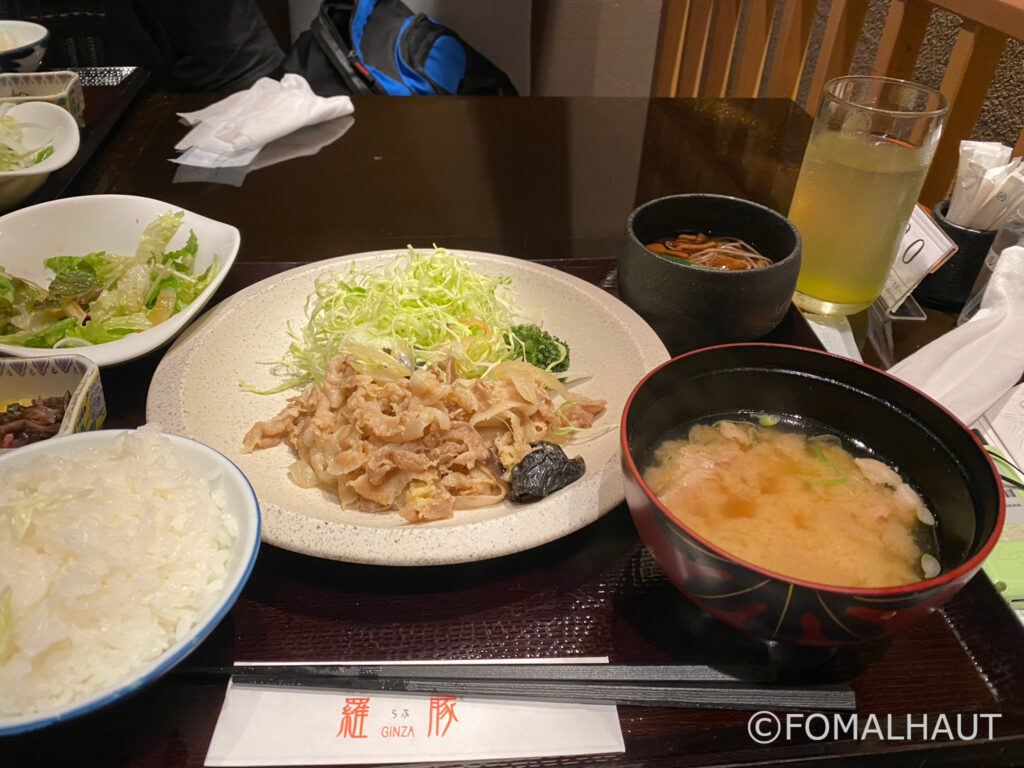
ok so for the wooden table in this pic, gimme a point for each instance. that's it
(540, 179)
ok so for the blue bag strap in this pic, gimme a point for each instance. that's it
(416, 81)
(374, 41)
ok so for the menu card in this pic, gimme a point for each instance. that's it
(291, 726)
(923, 249)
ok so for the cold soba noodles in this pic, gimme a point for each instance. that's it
(792, 499)
(729, 253)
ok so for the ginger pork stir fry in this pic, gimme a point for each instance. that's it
(425, 444)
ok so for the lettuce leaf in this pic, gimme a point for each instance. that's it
(77, 283)
(51, 334)
(111, 329)
(106, 266)
(156, 235)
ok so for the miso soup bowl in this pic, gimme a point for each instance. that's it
(691, 306)
(931, 448)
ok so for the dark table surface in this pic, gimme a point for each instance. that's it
(541, 179)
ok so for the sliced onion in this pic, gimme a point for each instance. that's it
(472, 502)
(302, 474)
(500, 411)
(376, 363)
(519, 373)
(72, 341)
(930, 566)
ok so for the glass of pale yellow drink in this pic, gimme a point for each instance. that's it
(869, 150)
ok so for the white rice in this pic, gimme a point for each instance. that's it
(111, 556)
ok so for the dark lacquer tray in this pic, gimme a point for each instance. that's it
(596, 592)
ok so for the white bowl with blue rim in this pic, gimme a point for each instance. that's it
(240, 503)
(22, 45)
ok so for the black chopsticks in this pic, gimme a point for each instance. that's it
(656, 685)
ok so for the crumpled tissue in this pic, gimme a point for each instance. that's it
(232, 131)
(301, 143)
(972, 366)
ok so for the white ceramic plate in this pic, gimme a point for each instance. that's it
(240, 503)
(195, 392)
(76, 226)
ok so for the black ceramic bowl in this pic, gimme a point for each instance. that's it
(691, 306)
(939, 456)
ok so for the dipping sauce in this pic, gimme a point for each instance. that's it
(729, 253)
(795, 499)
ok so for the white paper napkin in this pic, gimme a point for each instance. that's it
(301, 143)
(232, 131)
(301, 726)
(972, 366)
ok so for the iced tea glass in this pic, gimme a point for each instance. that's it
(870, 147)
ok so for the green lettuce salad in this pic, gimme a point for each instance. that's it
(101, 297)
(14, 153)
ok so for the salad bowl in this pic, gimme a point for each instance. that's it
(113, 226)
(40, 125)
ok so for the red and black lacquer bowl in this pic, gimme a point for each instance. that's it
(935, 451)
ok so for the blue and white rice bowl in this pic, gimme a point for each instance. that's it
(187, 542)
(22, 45)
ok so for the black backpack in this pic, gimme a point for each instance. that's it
(381, 46)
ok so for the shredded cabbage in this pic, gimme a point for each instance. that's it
(433, 304)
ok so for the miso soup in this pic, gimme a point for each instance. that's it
(794, 498)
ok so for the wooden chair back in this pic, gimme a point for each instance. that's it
(759, 48)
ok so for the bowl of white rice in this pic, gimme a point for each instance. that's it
(120, 551)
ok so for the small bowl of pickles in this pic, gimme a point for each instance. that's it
(47, 397)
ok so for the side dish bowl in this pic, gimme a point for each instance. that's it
(45, 377)
(43, 124)
(692, 306)
(22, 45)
(76, 226)
(939, 455)
(241, 506)
(61, 88)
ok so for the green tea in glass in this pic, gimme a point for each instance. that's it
(869, 150)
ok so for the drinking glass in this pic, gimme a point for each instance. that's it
(869, 150)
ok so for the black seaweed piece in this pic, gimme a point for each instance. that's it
(543, 471)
